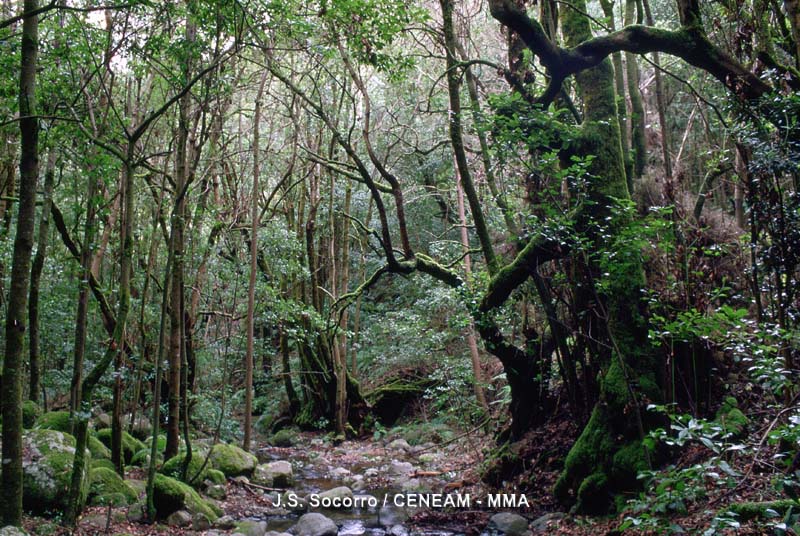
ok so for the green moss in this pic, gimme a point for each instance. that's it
(197, 471)
(30, 413)
(283, 438)
(46, 483)
(215, 476)
(170, 495)
(97, 448)
(142, 458)
(751, 510)
(54, 420)
(161, 443)
(734, 422)
(232, 460)
(130, 445)
(594, 495)
(103, 463)
(627, 463)
(107, 488)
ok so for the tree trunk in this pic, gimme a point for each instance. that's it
(661, 99)
(36, 273)
(251, 289)
(609, 452)
(638, 141)
(11, 495)
(619, 85)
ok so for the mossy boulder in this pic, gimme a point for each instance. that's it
(746, 511)
(283, 438)
(96, 447)
(731, 418)
(232, 460)
(161, 443)
(274, 474)
(130, 445)
(47, 470)
(171, 495)
(102, 462)
(30, 413)
(196, 473)
(54, 420)
(106, 487)
(215, 476)
(11, 530)
(142, 458)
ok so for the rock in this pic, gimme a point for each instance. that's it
(142, 458)
(130, 445)
(170, 495)
(200, 522)
(141, 427)
(402, 468)
(107, 488)
(283, 438)
(224, 523)
(315, 524)
(372, 472)
(98, 450)
(252, 528)
(137, 512)
(54, 420)
(412, 484)
(427, 457)
(241, 480)
(138, 485)
(389, 516)
(339, 473)
(275, 533)
(399, 444)
(398, 530)
(196, 473)
(30, 413)
(541, 524)
(181, 518)
(274, 474)
(232, 460)
(102, 463)
(47, 470)
(340, 492)
(294, 502)
(102, 420)
(11, 530)
(217, 491)
(509, 524)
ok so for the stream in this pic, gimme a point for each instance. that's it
(380, 479)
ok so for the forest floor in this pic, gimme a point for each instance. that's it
(386, 467)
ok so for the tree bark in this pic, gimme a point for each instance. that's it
(11, 494)
(36, 274)
(638, 141)
(251, 289)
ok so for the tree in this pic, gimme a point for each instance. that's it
(20, 271)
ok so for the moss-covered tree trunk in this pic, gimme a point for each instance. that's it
(633, 15)
(609, 451)
(11, 496)
(36, 274)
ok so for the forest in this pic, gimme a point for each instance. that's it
(400, 267)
